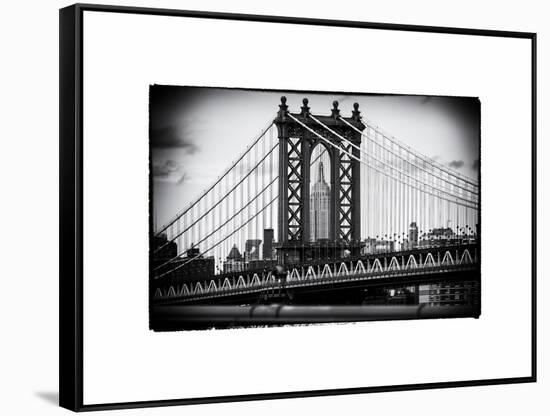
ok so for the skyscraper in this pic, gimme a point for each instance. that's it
(413, 235)
(252, 250)
(268, 243)
(320, 207)
(234, 261)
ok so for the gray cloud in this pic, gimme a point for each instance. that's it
(169, 171)
(173, 136)
(456, 164)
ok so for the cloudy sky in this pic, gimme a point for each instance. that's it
(196, 132)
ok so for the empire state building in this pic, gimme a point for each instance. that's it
(319, 207)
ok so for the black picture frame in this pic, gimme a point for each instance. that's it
(71, 207)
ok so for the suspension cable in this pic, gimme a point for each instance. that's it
(220, 200)
(374, 168)
(475, 192)
(218, 180)
(388, 165)
(436, 165)
(219, 242)
(222, 225)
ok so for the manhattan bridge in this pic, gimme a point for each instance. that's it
(323, 209)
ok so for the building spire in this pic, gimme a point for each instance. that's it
(321, 173)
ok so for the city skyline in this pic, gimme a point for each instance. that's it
(414, 238)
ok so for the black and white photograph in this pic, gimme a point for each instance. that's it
(258, 204)
(297, 207)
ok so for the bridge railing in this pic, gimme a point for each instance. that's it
(333, 272)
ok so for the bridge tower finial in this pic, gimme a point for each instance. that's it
(283, 108)
(335, 110)
(356, 114)
(305, 108)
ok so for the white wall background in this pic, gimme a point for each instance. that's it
(28, 172)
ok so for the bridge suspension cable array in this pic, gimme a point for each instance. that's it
(384, 164)
(215, 245)
(218, 181)
(399, 193)
(402, 192)
(428, 160)
(473, 189)
(238, 205)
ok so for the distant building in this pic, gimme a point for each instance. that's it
(448, 294)
(252, 250)
(163, 250)
(400, 295)
(319, 207)
(195, 266)
(234, 261)
(261, 265)
(193, 252)
(411, 241)
(171, 269)
(441, 233)
(268, 244)
(445, 294)
(413, 235)
(439, 237)
(373, 245)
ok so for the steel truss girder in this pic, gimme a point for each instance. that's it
(294, 191)
(345, 193)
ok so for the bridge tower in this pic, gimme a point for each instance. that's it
(296, 144)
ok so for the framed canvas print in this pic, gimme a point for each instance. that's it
(306, 198)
